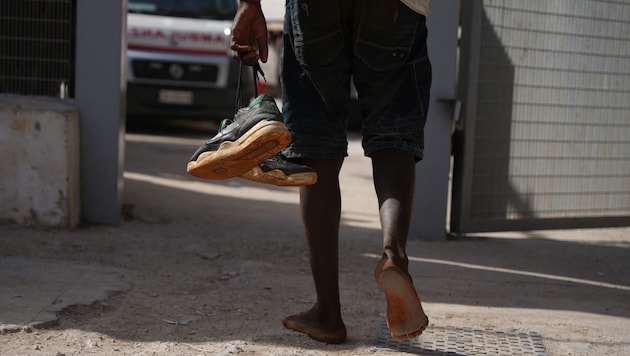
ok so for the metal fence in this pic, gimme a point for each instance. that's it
(547, 125)
(37, 40)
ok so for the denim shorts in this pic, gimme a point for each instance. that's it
(380, 45)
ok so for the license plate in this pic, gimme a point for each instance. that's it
(180, 97)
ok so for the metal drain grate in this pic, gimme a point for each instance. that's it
(453, 341)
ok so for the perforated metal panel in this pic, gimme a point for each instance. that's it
(442, 341)
(545, 141)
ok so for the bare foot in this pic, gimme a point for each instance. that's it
(308, 323)
(405, 317)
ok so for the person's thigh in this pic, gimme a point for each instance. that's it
(315, 78)
(392, 74)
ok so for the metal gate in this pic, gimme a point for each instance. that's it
(544, 139)
(37, 40)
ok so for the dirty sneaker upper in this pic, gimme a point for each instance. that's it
(262, 108)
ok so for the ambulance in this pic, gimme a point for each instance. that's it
(179, 62)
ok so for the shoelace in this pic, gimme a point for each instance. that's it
(257, 70)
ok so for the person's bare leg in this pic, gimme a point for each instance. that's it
(394, 180)
(321, 210)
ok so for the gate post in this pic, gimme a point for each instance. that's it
(432, 173)
(100, 98)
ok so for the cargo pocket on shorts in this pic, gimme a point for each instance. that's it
(317, 30)
(386, 34)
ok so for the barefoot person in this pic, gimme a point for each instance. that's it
(381, 46)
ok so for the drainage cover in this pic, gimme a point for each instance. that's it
(453, 341)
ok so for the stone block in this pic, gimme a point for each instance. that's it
(39, 151)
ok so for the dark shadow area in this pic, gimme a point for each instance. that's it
(492, 193)
(38, 48)
(481, 184)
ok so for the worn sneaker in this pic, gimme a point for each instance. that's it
(277, 170)
(253, 135)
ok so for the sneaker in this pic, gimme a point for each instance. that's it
(253, 135)
(277, 170)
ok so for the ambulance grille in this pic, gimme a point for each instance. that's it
(184, 72)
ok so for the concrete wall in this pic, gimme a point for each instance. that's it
(39, 151)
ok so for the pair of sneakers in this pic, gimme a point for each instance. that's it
(248, 146)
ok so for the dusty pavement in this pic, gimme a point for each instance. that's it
(200, 267)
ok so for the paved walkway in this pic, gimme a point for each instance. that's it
(570, 287)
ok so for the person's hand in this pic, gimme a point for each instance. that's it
(249, 33)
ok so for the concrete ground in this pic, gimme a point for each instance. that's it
(200, 267)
